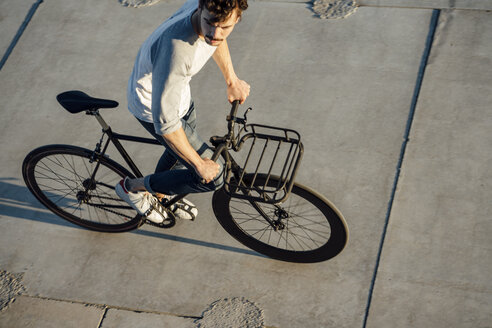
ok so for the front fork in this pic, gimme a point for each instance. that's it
(280, 215)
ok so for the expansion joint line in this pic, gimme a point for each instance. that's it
(103, 317)
(418, 85)
(16, 38)
(107, 307)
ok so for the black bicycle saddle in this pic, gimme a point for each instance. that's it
(77, 101)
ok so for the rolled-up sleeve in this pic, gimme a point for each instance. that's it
(169, 79)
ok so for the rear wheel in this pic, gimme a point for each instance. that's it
(305, 228)
(61, 178)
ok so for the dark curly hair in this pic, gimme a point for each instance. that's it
(222, 9)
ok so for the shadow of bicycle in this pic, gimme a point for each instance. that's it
(16, 201)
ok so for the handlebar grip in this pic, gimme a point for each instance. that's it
(235, 106)
(232, 115)
(214, 158)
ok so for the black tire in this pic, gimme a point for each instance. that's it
(313, 231)
(60, 178)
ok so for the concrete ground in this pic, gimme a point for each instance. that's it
(393, 104)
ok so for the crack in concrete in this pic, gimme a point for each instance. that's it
(218, 313)
(107, 307)
(406, 139)
(21, 30)
(103, 317)
(419, 7)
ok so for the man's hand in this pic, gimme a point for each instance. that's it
(208, 170)
(237, 90)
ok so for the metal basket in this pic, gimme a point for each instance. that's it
(273, 154)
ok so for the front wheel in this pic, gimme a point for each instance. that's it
(306, 228)
(65, 180)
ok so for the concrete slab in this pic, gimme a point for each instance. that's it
(130, 319)
(12, 14)
(430, 4)
(437, 4)
(436, 264)
(28, 312)
(346, 85)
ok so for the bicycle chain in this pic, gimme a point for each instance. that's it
(107, 209)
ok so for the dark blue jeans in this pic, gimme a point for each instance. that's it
(174, 176)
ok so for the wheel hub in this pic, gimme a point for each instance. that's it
(83, 197)
(89, 184)
(281, 214)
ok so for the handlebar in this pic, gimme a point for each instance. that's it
(235, 106)
(231, 118)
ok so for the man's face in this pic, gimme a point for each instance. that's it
(215, 33)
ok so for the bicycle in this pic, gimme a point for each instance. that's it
(263, 209)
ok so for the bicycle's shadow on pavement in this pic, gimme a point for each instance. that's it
(18, 202)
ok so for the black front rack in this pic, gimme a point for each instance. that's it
(274, 154)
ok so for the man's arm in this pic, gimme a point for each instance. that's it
(168, 80)
(236, 89)
(178, 142)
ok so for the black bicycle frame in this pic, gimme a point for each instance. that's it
(238, 189)
(115, 138)
(221, 146)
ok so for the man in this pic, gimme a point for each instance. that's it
(159, 97)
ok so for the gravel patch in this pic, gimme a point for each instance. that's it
(232, 312)
(10, 287)
(334, 9)
(138, 3)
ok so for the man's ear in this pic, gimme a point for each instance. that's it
(238, 18)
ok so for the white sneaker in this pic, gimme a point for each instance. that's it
(183, 209)
(144, 203)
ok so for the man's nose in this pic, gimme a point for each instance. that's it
(215, 32)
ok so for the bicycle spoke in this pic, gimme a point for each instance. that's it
(270, 236)
(306, 237)
(65, 179)
(61, 178)
(305, 227)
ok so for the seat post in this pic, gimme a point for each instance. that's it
(99, 118)
(115, 141)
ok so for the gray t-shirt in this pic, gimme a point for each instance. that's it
(159, 87)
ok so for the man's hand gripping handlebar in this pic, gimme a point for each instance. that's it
(211, 168)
